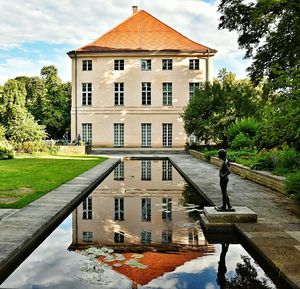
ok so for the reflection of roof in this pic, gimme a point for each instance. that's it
(157, 265)
(143, 32)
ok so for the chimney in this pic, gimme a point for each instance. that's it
(134, 9)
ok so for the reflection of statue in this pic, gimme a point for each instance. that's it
(221, 280)
(223, 174)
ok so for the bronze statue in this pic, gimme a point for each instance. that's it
(223, 174)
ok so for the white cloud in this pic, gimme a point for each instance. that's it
(76, 23)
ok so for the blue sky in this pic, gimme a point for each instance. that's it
(36, 33)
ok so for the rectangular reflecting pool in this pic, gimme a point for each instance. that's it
(138, 229)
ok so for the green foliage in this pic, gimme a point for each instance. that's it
(286, 161)
(2, 132)
(31, 146)
(217, 105)
(241, 141)
(247, 126)
(6, 150)
(23, 128)
(292, 184)
(12, 100)
(268, 30)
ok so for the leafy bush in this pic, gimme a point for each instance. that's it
(248, 126)
(2, 132)
(265, 160)
(292, 184)
(34, 146)
(242, 141)
(287, 160)
(6, 150)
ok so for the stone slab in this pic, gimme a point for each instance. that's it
(240, 215)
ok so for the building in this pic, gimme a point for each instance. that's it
(130, 85)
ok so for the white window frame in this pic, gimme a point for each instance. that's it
(87, 88)
(167, 209)
(87, 237)
(146, 134)
(119, 134)
(119, 172)
(146, 209)
(167, 64)
(119, 93)
(146, 170)
(119, 64)
(119, 209)
(146, 64)
(192, 87)
(146, 237)
(146, 93)
(194, 64)
(87, 208)
(87, 65)
(167, 93)
(167, 131)
(166, 236)
(167, 170)
(87, 133)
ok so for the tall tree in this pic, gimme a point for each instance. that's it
(268, 30)
(217, 105)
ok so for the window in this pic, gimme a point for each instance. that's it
(166, 236)
(119, 64)
(167, 64)
(193, 87)
(166, 170)
(167, 135)
(146, 93)
(167, 209)
(87, 236)
(146, 170)
(119, 209)
(146, 134)
(194, 64)
(86, 65)
(87, 209)
(145, 237)
(87, 133)
(119, 237)
(119, 172)
(167, 93)
(145, 64)
(118, 134)
(86, 94)
(193, 237)
(146, 210)
(119, 93)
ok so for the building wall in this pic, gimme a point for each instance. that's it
(103, 113)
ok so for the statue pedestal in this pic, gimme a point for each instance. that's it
(217, 220)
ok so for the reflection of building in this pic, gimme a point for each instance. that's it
(130, 85)
(139, 203)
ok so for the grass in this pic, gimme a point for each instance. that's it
(23, 180)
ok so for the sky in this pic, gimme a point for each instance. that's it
(36, 33)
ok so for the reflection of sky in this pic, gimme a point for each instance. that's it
(53, 266)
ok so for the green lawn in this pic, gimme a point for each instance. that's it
(23, 180)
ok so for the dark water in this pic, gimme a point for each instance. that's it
(144, 208)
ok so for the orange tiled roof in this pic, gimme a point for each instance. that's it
(143, 32)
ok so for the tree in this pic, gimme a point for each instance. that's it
(268, 30)
(217, 105)
(12, 100)
(22, 128)
(57, 106)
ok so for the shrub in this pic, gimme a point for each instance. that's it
(242, 141)
(2, 132)
(264, 161)
(287, 160)
(292, 184)
(6, 150)
(31, 146)
(247, 126)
